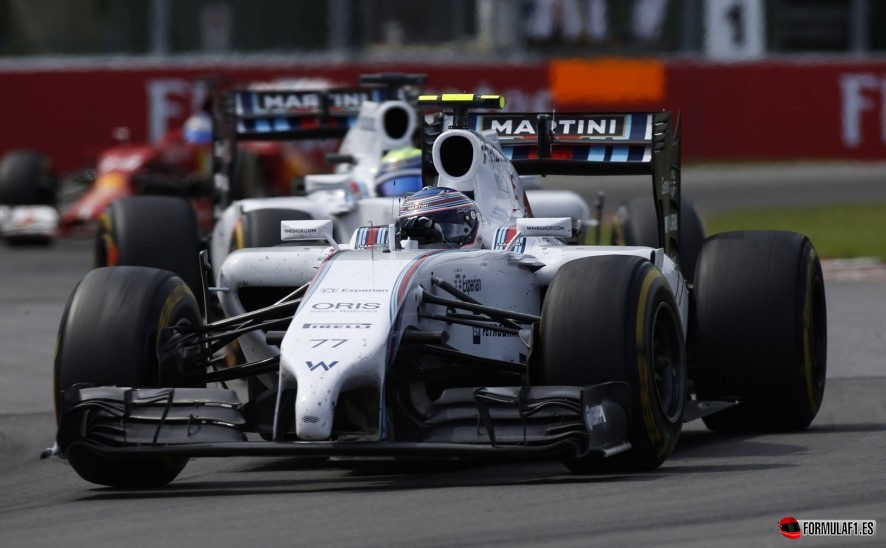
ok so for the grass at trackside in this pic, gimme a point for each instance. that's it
(841, 231)
(836, 231)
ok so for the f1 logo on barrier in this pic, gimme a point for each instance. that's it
(858, 95)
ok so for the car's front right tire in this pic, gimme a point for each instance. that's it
(109, 337)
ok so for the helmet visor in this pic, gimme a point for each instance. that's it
(399, 185)
(457, 227)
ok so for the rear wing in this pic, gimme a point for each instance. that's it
(634, 143)
(574, 143)
(286, 115)
(267, 115)
(278, 115)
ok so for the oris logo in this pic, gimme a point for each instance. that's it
(345, 306)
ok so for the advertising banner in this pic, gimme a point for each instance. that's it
(733, 111)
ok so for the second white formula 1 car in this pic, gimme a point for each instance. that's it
(466, 328)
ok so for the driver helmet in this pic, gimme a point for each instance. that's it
(439, 216)
(399, 173)
(198, 129)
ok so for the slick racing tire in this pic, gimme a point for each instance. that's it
(760, 330)
(635, 224)
(26, 178)
(108, 336)
(155, 231)
(613, 318)
(248, 180)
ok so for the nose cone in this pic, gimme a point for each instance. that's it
(315, 406)
(340, 336)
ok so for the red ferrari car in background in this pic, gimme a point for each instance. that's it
(36, 205)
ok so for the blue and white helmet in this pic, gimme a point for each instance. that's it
(198, 129)
(439, 215)
(399, 172)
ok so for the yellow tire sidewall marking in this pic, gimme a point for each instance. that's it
(643, 367)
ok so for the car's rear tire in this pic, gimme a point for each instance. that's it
(26, 178)
(760, 330)
(108, 337)
(635, 223)
(155, 231)
(614, 318)
(248, 180)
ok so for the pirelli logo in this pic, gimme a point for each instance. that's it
(332, 325)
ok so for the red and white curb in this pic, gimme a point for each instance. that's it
(861, 269)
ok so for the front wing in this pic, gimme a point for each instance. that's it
(205, 422)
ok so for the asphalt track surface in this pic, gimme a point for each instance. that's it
(714, 490)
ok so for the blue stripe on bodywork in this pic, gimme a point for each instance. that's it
(597, 154)
(619, 154)
(281, 124)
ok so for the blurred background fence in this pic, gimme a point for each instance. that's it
(753, 79)
(496, 27)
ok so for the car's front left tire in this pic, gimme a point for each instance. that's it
(614, 318)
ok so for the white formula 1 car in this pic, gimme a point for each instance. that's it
(28, 190)
(162, 231)
(465, 328)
